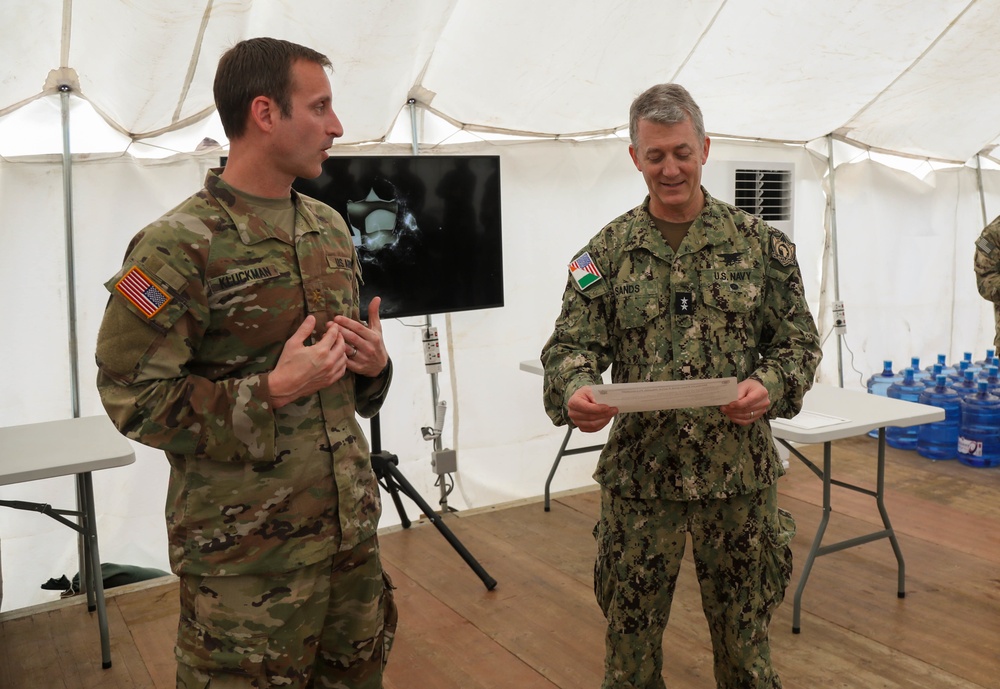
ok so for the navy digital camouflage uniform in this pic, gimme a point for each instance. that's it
(266, 508)
(729, 302)
(987, 266)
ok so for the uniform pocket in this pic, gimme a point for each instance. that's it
(390, 616)
(213, 651)
(605, 575)
(777, 570)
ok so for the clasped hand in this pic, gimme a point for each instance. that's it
(347, 345)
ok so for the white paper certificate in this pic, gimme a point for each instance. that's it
(671, 394)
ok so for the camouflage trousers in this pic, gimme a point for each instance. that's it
(743, 560)
(327, 625)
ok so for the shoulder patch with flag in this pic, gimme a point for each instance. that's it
(143, 294)
(584, 271)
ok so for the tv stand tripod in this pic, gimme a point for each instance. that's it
(385, 465)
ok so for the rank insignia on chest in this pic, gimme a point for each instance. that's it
(683, 304)
(316, 298)
(141, 291)
(584, 272)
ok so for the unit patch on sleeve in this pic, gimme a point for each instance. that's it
(584, 272)
(784, 250)
(143, 294)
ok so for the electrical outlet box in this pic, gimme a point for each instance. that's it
(839, 319)
(444, 461)
(432, 350)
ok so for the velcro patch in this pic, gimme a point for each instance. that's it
(584, 272)
(141, 291)
(985, 245)
(784, 250)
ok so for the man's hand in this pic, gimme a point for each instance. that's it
(586, 414)
(305, 369)
(366, 354)
(752, 402)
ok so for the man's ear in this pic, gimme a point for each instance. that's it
(263, 111)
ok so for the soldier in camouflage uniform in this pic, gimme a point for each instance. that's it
(987, 266)
(232, 340)
(685, 287)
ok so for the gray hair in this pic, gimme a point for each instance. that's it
(664, 104)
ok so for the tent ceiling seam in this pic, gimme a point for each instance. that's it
(911, 66)
(67, 33)
(708, 27)
(193, 62)
(840, 136)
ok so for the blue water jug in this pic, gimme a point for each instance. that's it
(992, 379)
(941, 359)
(990, 355)
(936, 370)
(958, 375)
(879, 384)
(919, 375)
(966, 386)
(939, 439)
(979, 432)
(904, 438)
(967, 356)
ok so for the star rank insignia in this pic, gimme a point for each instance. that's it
(683, 303)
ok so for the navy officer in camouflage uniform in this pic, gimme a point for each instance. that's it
(232, 340)
(986, 263)
(685, 287)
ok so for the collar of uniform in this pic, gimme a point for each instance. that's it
(251, 229)
(708, 229)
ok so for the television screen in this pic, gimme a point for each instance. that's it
(426, 229)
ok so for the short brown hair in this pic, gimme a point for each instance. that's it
(257, 67)
(665, 104)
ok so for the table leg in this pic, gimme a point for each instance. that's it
(96, 580)
(86, 574)
(555, 464)
(814, 550)
(562, 453)
(890, 532)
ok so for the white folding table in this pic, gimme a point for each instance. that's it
(61, 448)
(535, 366)
(831, 413)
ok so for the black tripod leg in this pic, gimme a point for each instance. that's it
(409, 491)
(390, 485)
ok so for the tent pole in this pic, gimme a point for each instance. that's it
(833, 250)
(74, 366)
(982, 192)
(428, 325)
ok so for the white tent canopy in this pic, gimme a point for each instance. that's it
(917, 79)
(780, 83)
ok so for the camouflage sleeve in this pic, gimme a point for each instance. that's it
(579, 349)
(369, 393)
(146, 360)
(789, 342)
(987, 262)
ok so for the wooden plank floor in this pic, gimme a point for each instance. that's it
(541, 629)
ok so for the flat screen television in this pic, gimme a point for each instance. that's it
(426, 229)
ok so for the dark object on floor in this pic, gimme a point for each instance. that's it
(113, 575)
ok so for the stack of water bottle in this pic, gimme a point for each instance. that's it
(969, 394)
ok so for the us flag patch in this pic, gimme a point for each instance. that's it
(138, 289)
